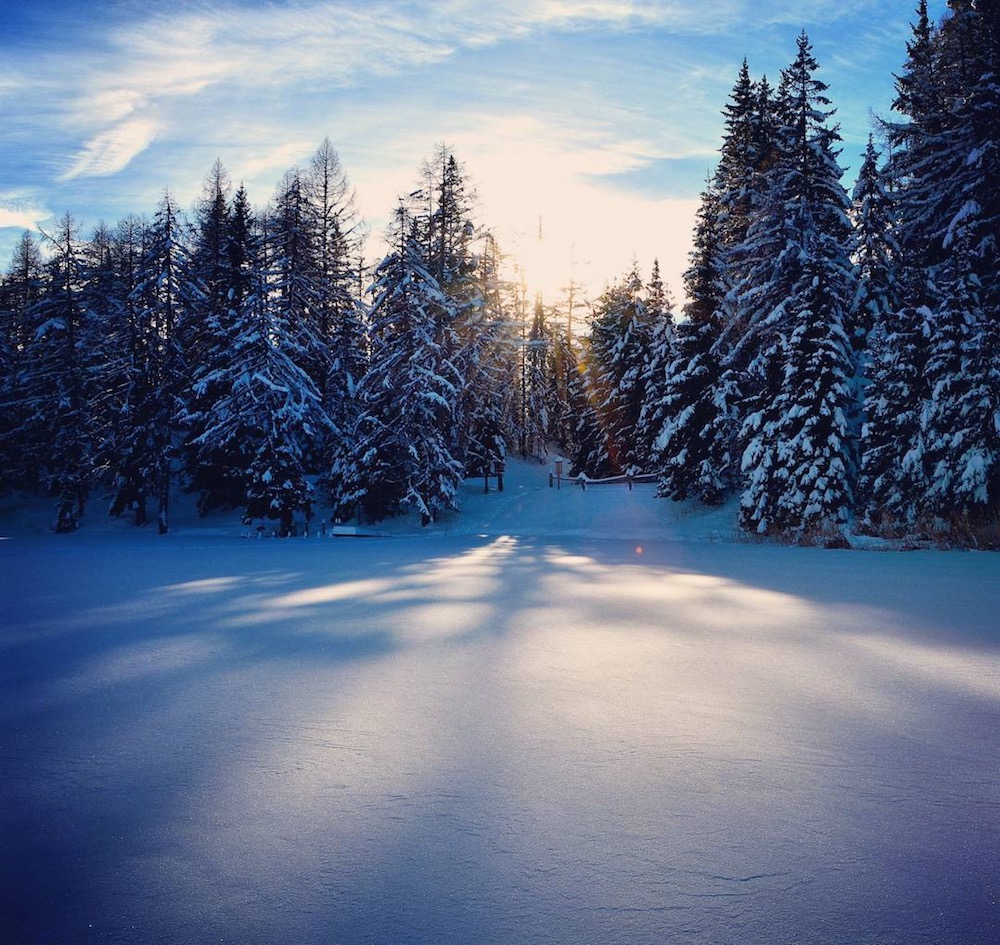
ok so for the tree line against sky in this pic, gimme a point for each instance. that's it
(836, 362)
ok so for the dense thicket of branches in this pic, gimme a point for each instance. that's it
(836, 364)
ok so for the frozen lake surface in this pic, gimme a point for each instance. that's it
(550, 722)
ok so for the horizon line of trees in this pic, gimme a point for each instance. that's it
(837, 361)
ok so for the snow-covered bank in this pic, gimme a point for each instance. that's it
(497, 730)
(527, 506)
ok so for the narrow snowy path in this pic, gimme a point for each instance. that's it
(607, 738)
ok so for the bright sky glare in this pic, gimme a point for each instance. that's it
(599, 117)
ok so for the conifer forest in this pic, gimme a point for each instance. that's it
(835, 364)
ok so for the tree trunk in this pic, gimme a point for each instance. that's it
(162, 517)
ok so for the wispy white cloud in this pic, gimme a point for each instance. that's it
(17, 212)
(182, 53)
(279, 159)
(113, 150)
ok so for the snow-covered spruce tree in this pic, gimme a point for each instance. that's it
(337, 313)
(983, 115)
(292, 266)
(944, 168)
(974, 231)
(877, 255)
(748, 143)
(693, 447)
(449, 236)
(936, 150)
(740, 188)
(590, 443)
(537, 386)
(966, 480)
(217, 464)
(691, 450)
(270, 412)
(162, 303)
(123, 360)
(877, 258)
(619, 348)
(58, 358)
(449, 227)
(892, 475)
(54, 385)
(408, 393)
(489, 368)
(949, 329)
(267, 412)
(799, 459)
(959, 422)
(913, 143)
(210, 334)
(103, 298)
(20, 290)
(109, 277)
(892, 478)
(209, 266)
(659, 357)
(564, 376)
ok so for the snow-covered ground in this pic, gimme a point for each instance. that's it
(561, 717)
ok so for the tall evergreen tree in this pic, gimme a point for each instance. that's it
(270, 411)
(691, 449)
(564, 378)
(594, 453)
(655, 370)
(219, 446)
(799, 459)
(408, 393)
(621, 335)
(488, 369)
(291, 256)
(20, 291)
(452, 261)
(931, 407)
(209, 340)
(696, 420)
(338, 321)
(538, 385)
(962, 443)
(877, 251)
(892, 477)
(127, 340)
(54, 386)
(163, 300)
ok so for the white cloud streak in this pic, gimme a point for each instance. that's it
(113, 150)
(18, 213)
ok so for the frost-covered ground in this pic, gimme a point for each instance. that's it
(561, 717)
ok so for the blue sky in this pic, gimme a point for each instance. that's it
(602, 117)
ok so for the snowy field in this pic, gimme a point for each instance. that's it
(562, 717)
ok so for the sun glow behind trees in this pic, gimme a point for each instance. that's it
(570, 251)
(526, 175)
